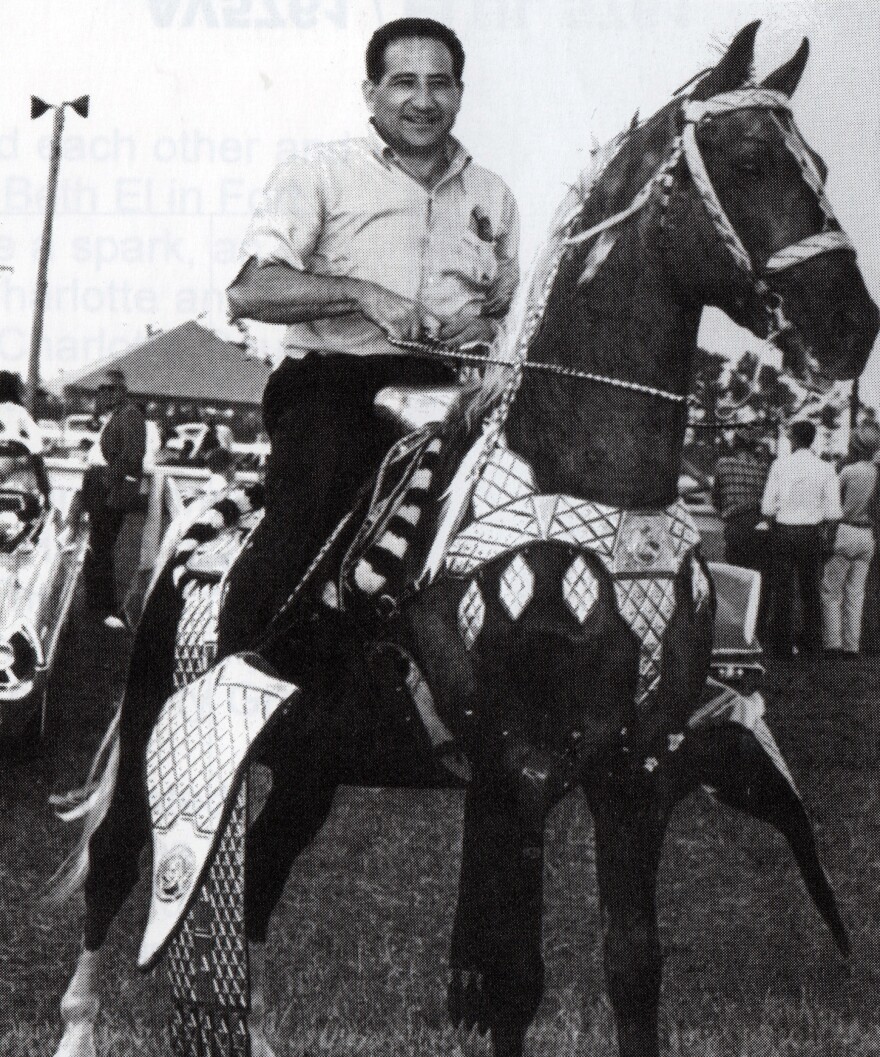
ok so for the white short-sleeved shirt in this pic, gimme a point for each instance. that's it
(801, 489)
(347, 209)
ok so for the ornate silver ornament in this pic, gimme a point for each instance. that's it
(580, 589)
(471, 613)
(516, 586)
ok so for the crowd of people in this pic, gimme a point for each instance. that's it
(809, 527)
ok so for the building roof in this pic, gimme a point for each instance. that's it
(186, 363)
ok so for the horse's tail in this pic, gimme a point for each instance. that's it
(90, 804)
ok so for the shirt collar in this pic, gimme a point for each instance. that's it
(456, 155)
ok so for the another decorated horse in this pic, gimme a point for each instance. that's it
(524, 606)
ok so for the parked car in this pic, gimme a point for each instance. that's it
(41, 556)
(189, 437)
(53, 435)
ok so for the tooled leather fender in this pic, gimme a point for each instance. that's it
(196, 757)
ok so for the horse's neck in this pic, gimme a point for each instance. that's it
(594, 440)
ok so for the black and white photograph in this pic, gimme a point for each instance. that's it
(439, 494)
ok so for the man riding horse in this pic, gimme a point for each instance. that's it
(562, 626)
(396, 234)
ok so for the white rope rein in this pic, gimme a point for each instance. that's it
(459, 354)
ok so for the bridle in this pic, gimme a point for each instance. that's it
(693, 114)
(829, 240)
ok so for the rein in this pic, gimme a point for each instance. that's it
(444, 351)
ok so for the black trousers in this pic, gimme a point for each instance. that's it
(797, 554)
(326, 443)
(98, 570)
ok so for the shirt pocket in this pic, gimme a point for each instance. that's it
(477, 261)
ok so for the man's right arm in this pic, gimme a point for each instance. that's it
(278, 293)
(274, 283)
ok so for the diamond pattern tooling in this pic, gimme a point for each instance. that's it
(647, 605)
(580, 589)
(197, 632)
(505, 477)
(516, 586)
(194, 758)
(471, 613)
(208, 961)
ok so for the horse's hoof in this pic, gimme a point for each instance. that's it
(259, 1046)
(78, 1040)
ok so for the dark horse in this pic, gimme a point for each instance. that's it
(538, 651)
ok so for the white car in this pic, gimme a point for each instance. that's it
(52, 434)
(41, 556)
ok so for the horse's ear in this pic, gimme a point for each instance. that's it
(787, 77)
(735, 67)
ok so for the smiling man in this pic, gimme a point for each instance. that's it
(397, 234)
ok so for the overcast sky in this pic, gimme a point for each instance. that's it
(193, 102)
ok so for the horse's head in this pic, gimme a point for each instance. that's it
(752, 232)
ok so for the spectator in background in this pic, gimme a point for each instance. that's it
(802, 502)
(846, 571)
(123, 444)
(737, 491)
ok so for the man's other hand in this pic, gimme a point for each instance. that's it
(398, 316)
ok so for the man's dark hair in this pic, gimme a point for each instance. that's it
(409, 29)
(116, 378)
(802, 434)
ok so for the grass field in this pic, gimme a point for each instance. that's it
(357, 957)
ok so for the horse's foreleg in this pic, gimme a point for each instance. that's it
(296, 807)
(629, 838)
(497, 970)
(259, 1046)
(79, 1009)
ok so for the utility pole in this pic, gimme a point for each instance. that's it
(854, 405)
(38, 108)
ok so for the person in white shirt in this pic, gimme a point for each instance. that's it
(802, 502)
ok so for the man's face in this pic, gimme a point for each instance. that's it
(415, 104)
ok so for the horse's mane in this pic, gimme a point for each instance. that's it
(617, 171)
